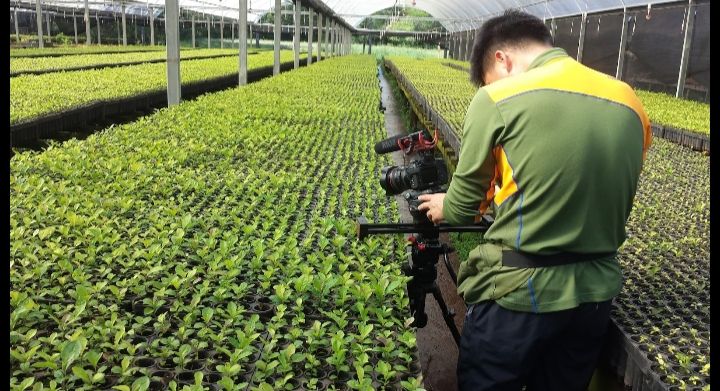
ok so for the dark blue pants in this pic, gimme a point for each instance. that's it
(505, 350)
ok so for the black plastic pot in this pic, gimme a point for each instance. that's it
(166, 364)
(145, 362)
(264, 310)
(322, 352)
(110, 381)
(156, 385)
(186, 376)
(220, 357)
(194, 365)
(162, 375)
(146, 332)
(212, 377)
(205, 354)
(319, 386)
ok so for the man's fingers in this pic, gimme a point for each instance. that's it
(424, 197)
(424, 206)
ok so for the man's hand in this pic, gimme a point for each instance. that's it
(433, 204)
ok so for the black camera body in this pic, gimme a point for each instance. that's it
(420, 175)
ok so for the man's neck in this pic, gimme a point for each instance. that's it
(528, 54)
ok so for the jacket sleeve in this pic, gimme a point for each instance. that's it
(472, 187)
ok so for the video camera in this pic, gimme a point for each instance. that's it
(426, 174)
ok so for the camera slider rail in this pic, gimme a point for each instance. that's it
(365, 229)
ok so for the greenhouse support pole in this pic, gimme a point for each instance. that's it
(327, 37)
(310, 37)
(97, 21)
(331, 46)
(152, 27)
(333, 39)
(467, 46)
(208, 24)
(623, 43)
(47, 23)
(232, 34)
(172, 42)
(222, 29)
(461, 48)
(86, 18)
(328, 33)
(319, 40)
(276, 34)
(320, 36)
(687, 43)
(74, 27)
(456, 47)
(17, 30)
(124, 23)
(192, 25)
(369, 44)
(581, 41)
(118, 28)
(38, 12)
(242, 41)
(458, 42)
(296, 36)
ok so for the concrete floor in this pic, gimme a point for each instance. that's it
(436, 346)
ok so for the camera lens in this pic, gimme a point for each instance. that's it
(393, 179)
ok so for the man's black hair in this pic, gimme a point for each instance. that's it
(511, 29)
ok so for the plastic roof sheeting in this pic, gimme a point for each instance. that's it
(454, 15)
(459, 15)
(219, 8)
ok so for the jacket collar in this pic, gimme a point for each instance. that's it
(545, 57)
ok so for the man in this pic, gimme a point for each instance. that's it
(556, 148)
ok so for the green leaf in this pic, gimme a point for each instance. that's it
(70, 353)
(93, 357)
(26, 383)
(141, 384)
(46, 232)
(122, 388)
(82, 374)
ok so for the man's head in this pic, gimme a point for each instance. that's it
(506, 45)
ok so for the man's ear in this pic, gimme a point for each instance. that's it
(502, 59)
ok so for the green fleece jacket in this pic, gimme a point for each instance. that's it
(557, 152)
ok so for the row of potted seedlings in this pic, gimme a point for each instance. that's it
(212, 246)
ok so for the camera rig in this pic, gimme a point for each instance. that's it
(425, 175)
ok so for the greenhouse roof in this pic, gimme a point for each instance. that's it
(454, 15)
